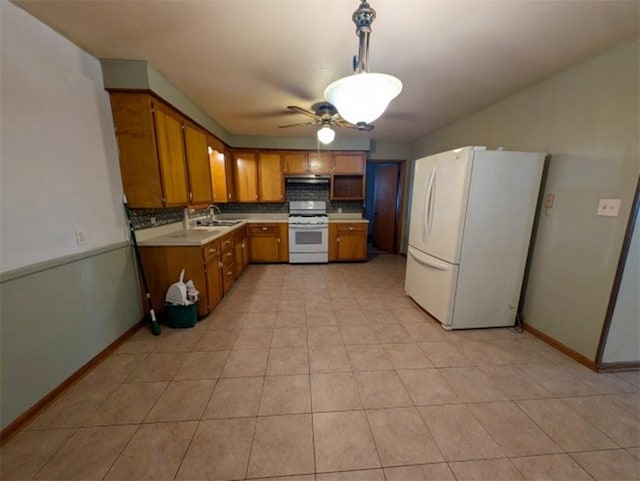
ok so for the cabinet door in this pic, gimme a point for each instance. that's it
(246, 176)
(214, 282)
(351, 241)
(284, 241)
(333, 242)
(241, 251)
(137, 153)
(319, 163)
(168, 129)
(220, 165)
(349, 163)
(265, 249)
(264, 242)
(352, 246)
(200, 191)
(271, 178)
(295, 162)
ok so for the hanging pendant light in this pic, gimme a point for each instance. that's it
(363, 97)
(326, 134)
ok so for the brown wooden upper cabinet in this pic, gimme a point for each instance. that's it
(319, 163)
(348, 180)
(306, 162)
(349, 163)
(246, 176)
(295, 162)
(221, 171)
(151, 150)
(270, 177)
(163, 156)
(258, 176)
(196, 147)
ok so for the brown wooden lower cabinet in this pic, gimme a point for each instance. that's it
(201, 264)
(214, 287)
(241, 241)
(348, 241)
(269, 242)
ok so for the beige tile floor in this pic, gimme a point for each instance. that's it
(330, 373)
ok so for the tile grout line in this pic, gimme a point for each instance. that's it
(313, 430)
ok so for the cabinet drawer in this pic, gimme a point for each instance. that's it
(260, 230)
(226, 243)
(349, 228)
(228, 258)
(228, 277)
(210, 250)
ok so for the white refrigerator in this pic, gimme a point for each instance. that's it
(472, 214)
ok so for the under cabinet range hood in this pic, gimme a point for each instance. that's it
(307, 178)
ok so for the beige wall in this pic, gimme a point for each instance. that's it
(587, 118)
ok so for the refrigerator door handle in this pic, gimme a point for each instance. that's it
(432, 200)
(426, 204)
(441, 266)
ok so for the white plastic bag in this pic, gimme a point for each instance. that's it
(192, 292)
(177, 292)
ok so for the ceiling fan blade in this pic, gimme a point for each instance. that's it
(361, 127)
(300, 110)
(297, 125)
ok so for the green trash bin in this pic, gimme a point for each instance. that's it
(179, 317)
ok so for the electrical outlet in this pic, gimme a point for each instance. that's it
(153, 221)
(81, 237)
(609, 207)
(548, 200)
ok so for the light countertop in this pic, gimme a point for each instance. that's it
(175, 235)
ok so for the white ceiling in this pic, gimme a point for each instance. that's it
(244, 61)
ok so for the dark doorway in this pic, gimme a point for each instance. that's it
(383, 205)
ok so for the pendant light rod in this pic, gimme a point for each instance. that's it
(363, 17)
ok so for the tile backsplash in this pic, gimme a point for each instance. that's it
(143, 218)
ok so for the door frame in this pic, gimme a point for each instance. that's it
(401, 205)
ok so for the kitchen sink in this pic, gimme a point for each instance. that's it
(196, 234)
(220, 223)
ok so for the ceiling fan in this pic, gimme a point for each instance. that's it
(325, 116)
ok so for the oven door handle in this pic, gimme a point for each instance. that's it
(308, 226)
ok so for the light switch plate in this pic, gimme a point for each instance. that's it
(609, 207)
(81, 236)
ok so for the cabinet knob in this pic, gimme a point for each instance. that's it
(264, 228)
(212, 250)
(190, 195)
(338, 239)
(350, 228)
(229, 196)
(278, 239)
(230, 273)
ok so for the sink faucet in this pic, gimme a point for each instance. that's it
(212, 211)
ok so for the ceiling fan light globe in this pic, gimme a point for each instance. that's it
(363, 97)
(326, 135)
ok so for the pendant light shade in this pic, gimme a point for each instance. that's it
(326, 134)
(363, 97)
